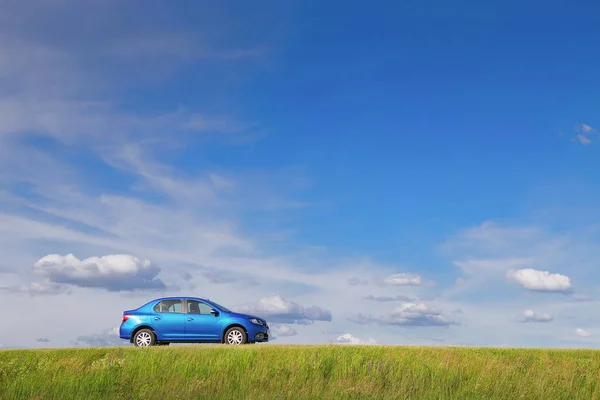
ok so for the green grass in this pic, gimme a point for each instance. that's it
(299, 372)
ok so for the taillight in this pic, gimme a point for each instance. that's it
(125, 317)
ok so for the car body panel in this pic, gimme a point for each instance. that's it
(185, 323)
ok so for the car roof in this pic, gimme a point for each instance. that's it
(179, 298)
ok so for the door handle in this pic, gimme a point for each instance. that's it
(190, 319)
(156, 318)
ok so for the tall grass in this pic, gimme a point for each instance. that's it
(299, 372)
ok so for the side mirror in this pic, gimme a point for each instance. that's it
(214, 312)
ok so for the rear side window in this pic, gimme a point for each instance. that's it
(168, 306)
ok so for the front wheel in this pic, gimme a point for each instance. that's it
(144, 338)
(236, 336)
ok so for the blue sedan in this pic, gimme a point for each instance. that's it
(190, 320)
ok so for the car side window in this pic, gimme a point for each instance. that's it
(197, 307)
(168, 306)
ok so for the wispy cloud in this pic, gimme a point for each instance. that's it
(284, 330)
(409, 314)
(582, 332)
(584, 134)
(533, 316)
(106, 338)
(490, 251)
(582, 140)
(348, 338)
(403, 279)
(398, 297)
(356, 281)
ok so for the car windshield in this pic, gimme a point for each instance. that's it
(220, 306)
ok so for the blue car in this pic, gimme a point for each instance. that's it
(190, 320)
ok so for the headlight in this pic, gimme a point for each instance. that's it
(256, 321)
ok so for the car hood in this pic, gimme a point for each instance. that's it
(240, 315)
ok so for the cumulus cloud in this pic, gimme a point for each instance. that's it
(582, 332)
(283, 330)
(348, 338)
(356, 281)
(277, 309)
(399, 297)
(540, 281)
(114, 273)
(403, 279)
(409, 314)
(107, 338)
(533, 316)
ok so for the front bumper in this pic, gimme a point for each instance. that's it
(258, 333)
(261, 337)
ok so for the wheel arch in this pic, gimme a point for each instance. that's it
(139, 328)
(233, 325)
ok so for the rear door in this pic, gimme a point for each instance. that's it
(169, 319)
(200, 324)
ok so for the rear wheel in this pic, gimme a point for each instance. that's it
(236, 336)
(144, 338)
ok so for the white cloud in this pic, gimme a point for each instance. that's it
(284, 330)
(348, 338)
(403, 279)
(277, 309)
(582, 140)
(120, 272)
(584, 128)
(533, 316)
(541, 281)
(107, 338)
(409, 314)
(582, 332)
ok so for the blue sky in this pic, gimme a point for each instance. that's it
(419, 173)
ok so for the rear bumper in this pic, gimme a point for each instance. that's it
(125, 331)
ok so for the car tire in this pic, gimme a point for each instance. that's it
(235, 336)
(144, 338)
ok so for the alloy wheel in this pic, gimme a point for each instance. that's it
(143, 339)
(235, 337)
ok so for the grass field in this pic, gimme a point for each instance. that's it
(299, 372)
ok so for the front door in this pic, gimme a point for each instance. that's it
(169, 320)
(200, 324)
